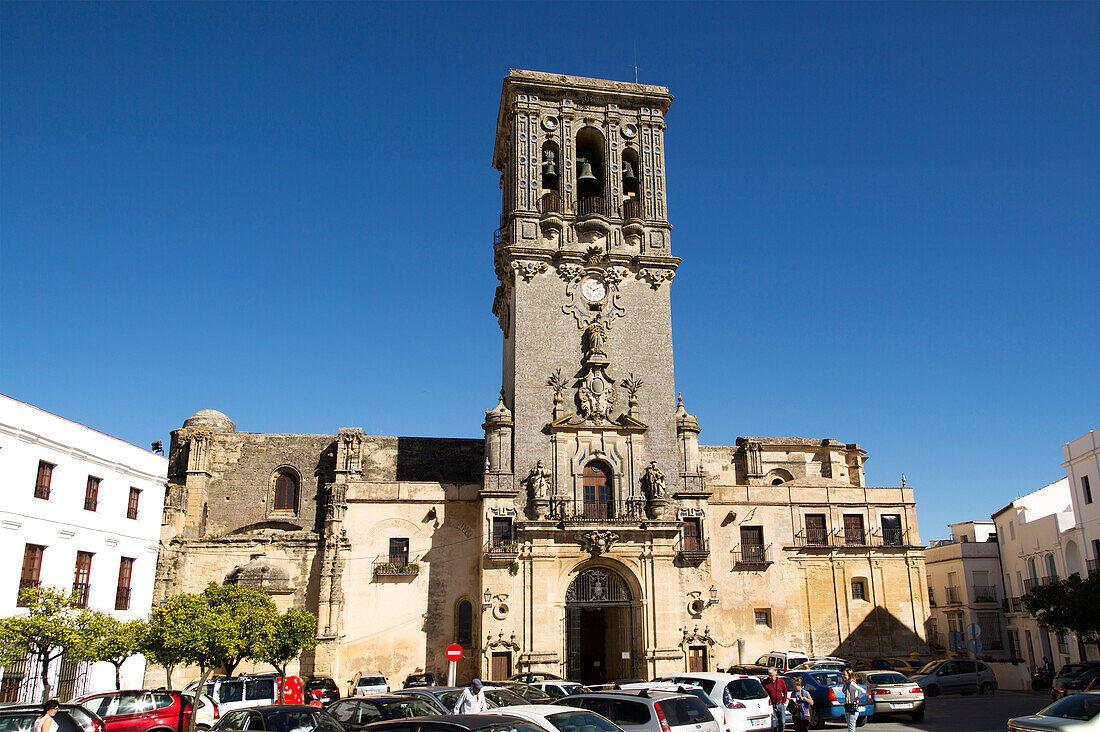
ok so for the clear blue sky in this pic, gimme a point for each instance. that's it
(888, 215)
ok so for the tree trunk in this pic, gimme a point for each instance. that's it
(230, 665)
(118, 675)
(281, 681)
(203, 677)
(168, 675)
(44, 661)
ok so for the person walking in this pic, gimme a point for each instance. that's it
(777, 696)
(46, 722)
(472, 699)
(852, 694)
(800, 704)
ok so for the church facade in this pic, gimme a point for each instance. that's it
(588, 534)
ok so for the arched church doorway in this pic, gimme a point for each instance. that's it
(600, 628)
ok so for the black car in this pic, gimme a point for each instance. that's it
(414, 680)
(69, 718)
(330, 692)
(359, 711)
(1086, 680)
(278, 718)
(1068, 673)
(456, 723)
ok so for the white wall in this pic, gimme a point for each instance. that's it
(1083, 460)
(64, 527)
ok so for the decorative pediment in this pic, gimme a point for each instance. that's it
(694, 637)
(599, 542)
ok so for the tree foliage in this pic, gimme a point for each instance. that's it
(252, 610)
(51, 627)
(1068, 606)
(114, 641)
(284, 637)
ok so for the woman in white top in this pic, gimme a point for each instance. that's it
(45, 723)
(852, 694)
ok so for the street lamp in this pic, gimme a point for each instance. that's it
(713, 595)
(488, 602)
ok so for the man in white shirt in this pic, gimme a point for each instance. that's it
(472, 700)
(45, 723)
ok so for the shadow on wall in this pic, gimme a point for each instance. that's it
(880, 634)
(452, 568)
(452, 460)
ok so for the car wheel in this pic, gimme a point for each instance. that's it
(986, 689)
(815, 719)
(917, 716)
(202, 728)
(860, 721)
(932, 691)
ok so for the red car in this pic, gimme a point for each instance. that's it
(143, 710)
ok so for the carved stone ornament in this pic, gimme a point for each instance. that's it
(570, 272)
(694, 637)
(615, 275)
(528, 270)
(596, 396)
(653, 481)
(599, 542)
(501, 641)
(538, 482)
(656, 277)
(578, 306)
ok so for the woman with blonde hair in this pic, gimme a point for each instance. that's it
(852, 694)
(800, 705)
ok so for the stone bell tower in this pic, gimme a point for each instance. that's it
(584, 263)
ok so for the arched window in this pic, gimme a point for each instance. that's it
(590, 171)
(597, 491)
(1033, 575)
(286, 491)
(551, 177)
(464, 624)
(631, 185)
(1052, 568)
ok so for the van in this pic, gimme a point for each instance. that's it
(242, 692)
(782, 661)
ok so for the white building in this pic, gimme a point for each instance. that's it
(81, 512)
(964, 587)
(1040, 543)
(1083, 471)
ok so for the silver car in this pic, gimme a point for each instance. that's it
(648, 711)
(956, 676)
(893, 693)
(1076, 712)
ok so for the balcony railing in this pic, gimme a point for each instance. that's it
(122, 598)
(985, 593)
(693, 547)
(501, 549)
(841, 539)
(550, 202)
(632, 209)
(386, 566)
(952, 595)
(1012, 605)
(892, 537)
(812, 539)
(597, 205)
(1093, 566)
(1030, 584)
(81, 590)
(931, 597)
(751, 556)
(26, 585)
(621, 511)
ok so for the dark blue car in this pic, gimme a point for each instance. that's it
(827, 690)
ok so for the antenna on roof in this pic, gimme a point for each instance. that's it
(635, 62)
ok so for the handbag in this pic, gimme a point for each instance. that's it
(851, 707)
(795, 709)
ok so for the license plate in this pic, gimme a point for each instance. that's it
(760, 721)
(902, 705)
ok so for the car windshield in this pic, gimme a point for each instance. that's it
(407, 708)
(18, 722)
(530, 693)
(580, 720)
(888, 678)
(682, 710)
(504, 698)
(1079, 706)
(929, 667)
(372, 681)
(700, 695)
(448, 698)
(827, 678)
(746, 689)
(293, 721)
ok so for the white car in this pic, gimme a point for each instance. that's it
(207, 711)
(741, 697)
(370, 685)
(556, 718)
(716, 710)
(558, 689)
(1076, 712)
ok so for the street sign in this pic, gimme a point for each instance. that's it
(974, 631)
(974, 646)
(454, 652)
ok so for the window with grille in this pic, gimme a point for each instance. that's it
(32, 569)
(91, 494)
(82, 579)
(891, 530)
(132, 504)
(399, 552)
(502, 533)
(286, 492)
(693, 534)
(122, 592)
(853, 529)
(752, 543)
(816, 533)
(859, 589)
(45, 476)
(990, 623)
(762, 616)
(14, 675)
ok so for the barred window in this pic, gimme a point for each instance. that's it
(132, 504)
(32, 568)
(859, 589)
(762, 616)
(91, 494)
(45, 477)
(286, 492)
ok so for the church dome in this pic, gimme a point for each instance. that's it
(260, 574)
(498, 415)
(211, 419)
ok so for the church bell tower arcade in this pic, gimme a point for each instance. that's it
(602, 467)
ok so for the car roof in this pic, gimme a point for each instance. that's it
(537, 710)
(391, 697)
(710, 675)
(633, 694)
(469, 721)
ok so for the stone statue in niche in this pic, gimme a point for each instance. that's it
(596, 337)
(653, 480)
(538, 482)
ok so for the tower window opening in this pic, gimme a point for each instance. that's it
(590, 165)
(631, 186)
(551, 177)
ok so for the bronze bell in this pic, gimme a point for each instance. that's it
(628, 173)
(586, 171)
(549, 169)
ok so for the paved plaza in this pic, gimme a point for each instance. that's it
(963, 714)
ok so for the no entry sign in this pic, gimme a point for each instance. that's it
(454, 652)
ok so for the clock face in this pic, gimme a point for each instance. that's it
(593, 290)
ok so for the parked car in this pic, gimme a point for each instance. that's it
(826, 688)
(741, 697)
(827, 663)
(527, 691)
(414, 680)
(368, 684)
(330, 692)
(359, 711)
(956, 676)
(502, 697)
(748, 669)
(278, 718)
(457, 723)
(716, 710)
(241, 692)
(558, 689)
(557, 718)
(893, 693)
(782, 660)
(532, 677)
(906, 666)
(648, 711)
(443, 697)
(140, 710)
(869, 664)
(1068, 673)
(1067, 713)
(69, 718)
(206, 711)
